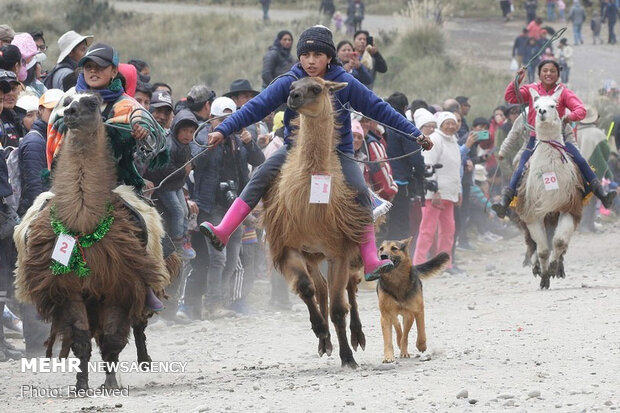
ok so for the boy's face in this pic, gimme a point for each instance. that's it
(10, 98)
(143, 99)
(98, 77)
(185, 134)
(29, 119)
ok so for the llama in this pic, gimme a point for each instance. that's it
(301, 234)
(550, 196)
(102, 290)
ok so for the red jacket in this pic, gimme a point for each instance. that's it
(379, 175)
(568, 100)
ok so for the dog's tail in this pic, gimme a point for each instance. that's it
(433, 266)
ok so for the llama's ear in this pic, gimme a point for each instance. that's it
(534, 94)
(557, 94)
(336, 86)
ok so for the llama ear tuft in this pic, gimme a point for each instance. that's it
(534, 94)
(336, 86)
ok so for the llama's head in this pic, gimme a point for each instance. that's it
(545, 108)
(310, 95)
(82, 111)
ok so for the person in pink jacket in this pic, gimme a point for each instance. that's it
(549, 74)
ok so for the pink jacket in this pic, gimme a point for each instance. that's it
(568, 99)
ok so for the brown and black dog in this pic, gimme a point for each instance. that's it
(400, 293)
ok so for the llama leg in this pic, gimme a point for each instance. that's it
(563, 232)
(113, 340)
(140, 340)
(295, 271)
(539, 235)
(355, 325)
(320, 285)
(75, 318)
(337, 281)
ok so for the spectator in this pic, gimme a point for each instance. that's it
(278, 59)
(561, 10)
(438, 215)
(162, 86)
(143, 94)
(530, 51)
(10, 127)
(610, 15)
(29, 55)
(369, 54)
(6, 34)
(355, 16)
(464, 108)
(32, 161)
(551, 7)
(26, 108)
(72, 47)
(534, 28)
(143, 69)
(129, 79)
(596, 25)
(161, 108)
(577, 15)
(564, 56)
(530, 10)
(519, 46)
(506, 7)
(265, 4)
(351, 64)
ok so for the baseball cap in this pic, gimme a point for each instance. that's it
(50, 98)
(6, 78)
(221, 104)
(102, 54)
(29, 103)
(161, 99)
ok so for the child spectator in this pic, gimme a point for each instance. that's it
(596, 25)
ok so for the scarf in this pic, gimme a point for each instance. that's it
(110, 94)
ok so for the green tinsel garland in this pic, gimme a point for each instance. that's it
(77, 262)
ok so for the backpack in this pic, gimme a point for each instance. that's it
(48, 81)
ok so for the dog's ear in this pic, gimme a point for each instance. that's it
(405, 244)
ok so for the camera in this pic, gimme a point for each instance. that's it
(229, 188)
(420, 187)
(370, 41)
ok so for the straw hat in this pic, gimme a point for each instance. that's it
(591, 115)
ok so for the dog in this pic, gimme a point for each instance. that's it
(400, 293)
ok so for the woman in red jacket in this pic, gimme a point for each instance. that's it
(549, 74)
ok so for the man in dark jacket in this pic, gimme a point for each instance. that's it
(610, 15)
(220, 175)
(360, 43)
(407, 172)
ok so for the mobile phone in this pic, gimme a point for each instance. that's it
(370, 40)
(482, 135)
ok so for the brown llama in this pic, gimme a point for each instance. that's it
(301, 234)
(107, 298)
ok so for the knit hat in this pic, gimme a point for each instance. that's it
(444, 116)
(422, 116)
(316, 39)
(356, 127)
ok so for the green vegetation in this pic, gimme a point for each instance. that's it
(185, 50)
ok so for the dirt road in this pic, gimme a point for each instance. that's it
(491, 333)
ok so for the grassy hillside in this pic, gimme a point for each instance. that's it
(185, 50)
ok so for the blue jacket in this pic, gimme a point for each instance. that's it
(359, 96)
(208, 168)
(32, 161)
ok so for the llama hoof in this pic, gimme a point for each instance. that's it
(404, 355)
(536, 269)
(110, 382)
(358, 338)
(544, 282)
(388, 359)
(560, 272)
(325, 346)
(207, 230)
(553, 269)
(81, 385)
(350, 363)
(145, 365)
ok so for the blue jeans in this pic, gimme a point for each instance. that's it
(175, 205)
(551, 11)
(582, 164)
(577, 33)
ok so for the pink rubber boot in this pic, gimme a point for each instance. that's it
(220, 234)
(373, 266)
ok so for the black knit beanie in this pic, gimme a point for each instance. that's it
(316, 39)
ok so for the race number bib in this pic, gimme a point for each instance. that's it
(320, 189)
(550, 181)
(63, 249)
